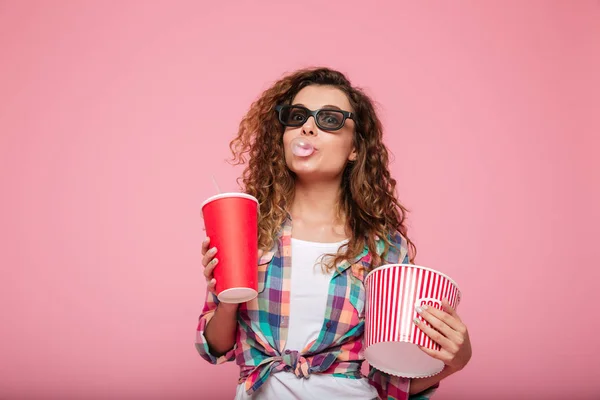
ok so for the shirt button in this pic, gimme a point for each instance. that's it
(328, 325)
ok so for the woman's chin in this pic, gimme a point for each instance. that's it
(303, 165)
(304, 171)
(313, 174)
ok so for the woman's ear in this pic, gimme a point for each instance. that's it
(353, 155)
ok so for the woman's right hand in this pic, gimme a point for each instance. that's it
(209, 261)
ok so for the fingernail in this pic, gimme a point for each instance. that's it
(416, 321)
(213, 250)
(420, 309)
(214, 261)
(205, 241)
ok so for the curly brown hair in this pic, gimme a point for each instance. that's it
(368, 199)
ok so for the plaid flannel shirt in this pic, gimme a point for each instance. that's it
(263, 324)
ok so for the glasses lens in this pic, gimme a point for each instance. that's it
(293, 116)
(330, 119)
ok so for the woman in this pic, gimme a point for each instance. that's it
(328, 215)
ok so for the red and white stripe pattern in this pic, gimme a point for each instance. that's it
(392, 293)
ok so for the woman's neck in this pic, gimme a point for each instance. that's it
(317, 201)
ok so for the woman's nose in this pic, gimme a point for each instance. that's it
(309, 127)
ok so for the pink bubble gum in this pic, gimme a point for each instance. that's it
(302, 147)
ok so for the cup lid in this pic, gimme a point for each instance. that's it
(226, 195)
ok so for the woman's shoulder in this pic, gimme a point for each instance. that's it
(397, 238)
(398, 249)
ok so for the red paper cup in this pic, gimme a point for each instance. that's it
(391, 337)
(231, 221)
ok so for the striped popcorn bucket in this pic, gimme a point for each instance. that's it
(391, 337)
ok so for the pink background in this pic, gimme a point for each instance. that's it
(112, 119)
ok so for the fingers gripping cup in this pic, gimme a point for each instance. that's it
(231, 221)
(391, 337)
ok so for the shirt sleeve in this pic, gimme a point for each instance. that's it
(202, 347)
(425, 394)
(391, 387)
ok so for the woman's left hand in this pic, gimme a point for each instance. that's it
(449, 332)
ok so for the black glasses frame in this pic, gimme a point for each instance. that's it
(315, 114)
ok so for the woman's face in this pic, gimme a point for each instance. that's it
(333, 149)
